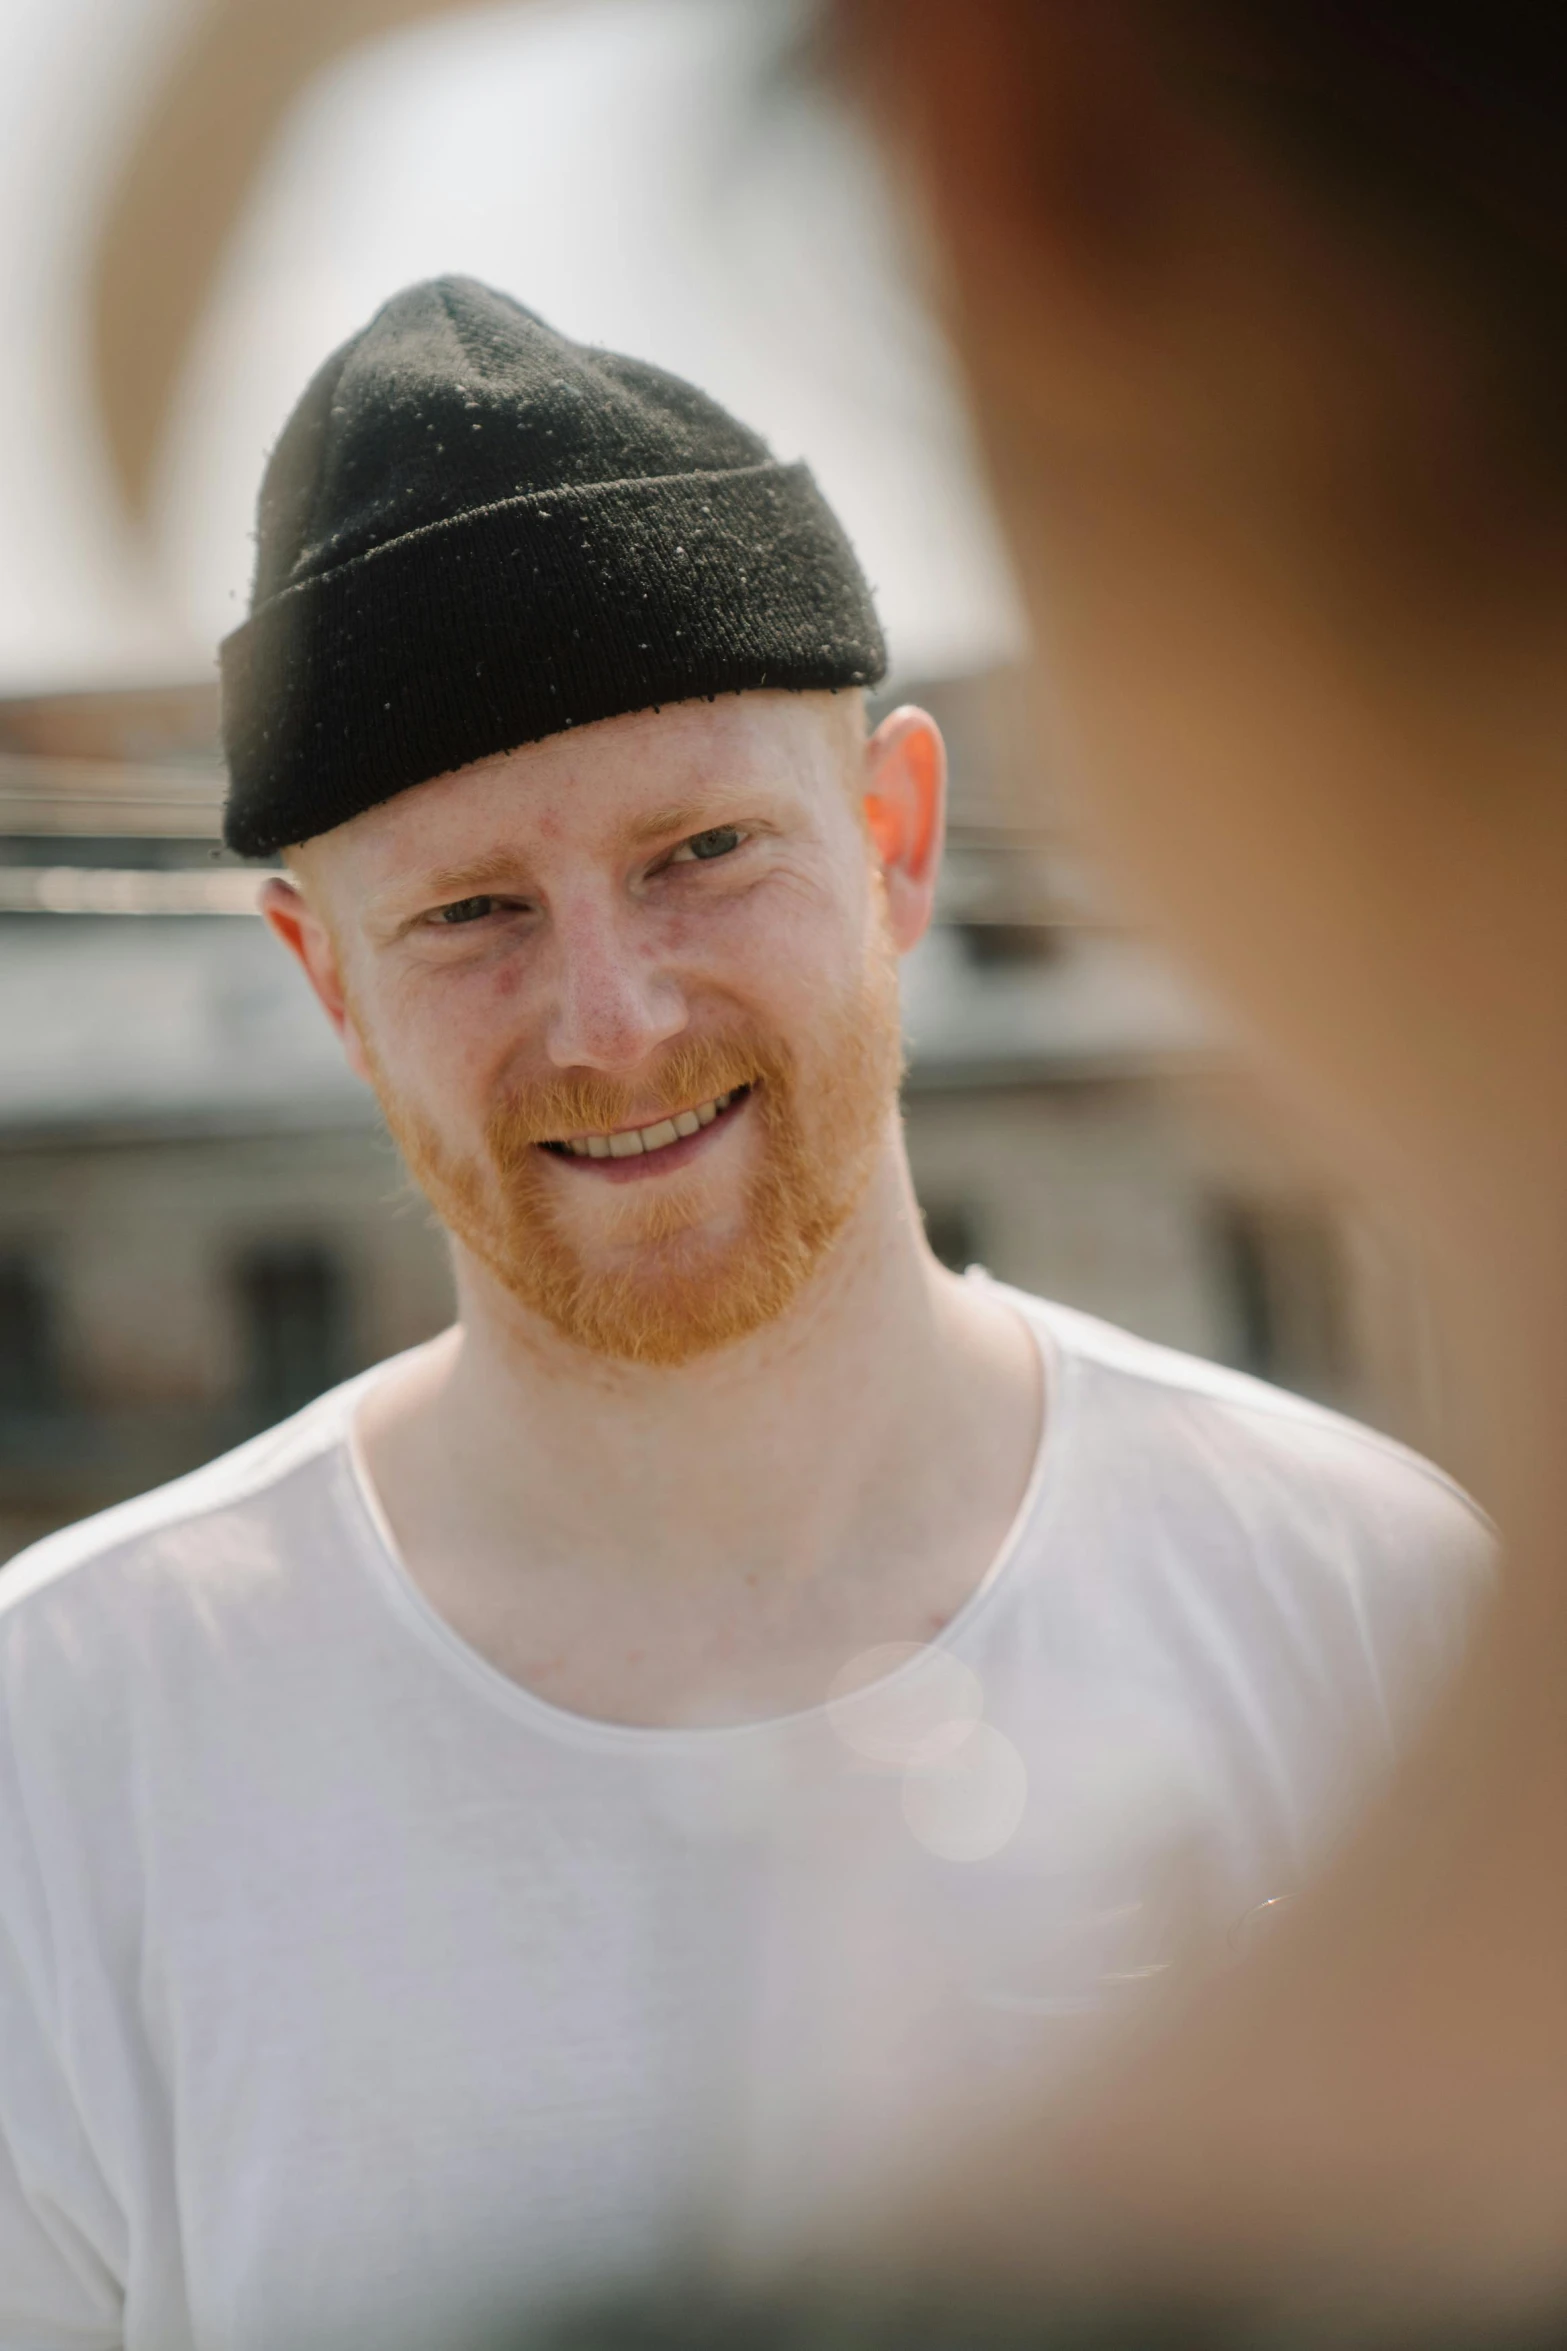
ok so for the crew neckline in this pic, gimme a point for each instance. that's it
(440, 1640)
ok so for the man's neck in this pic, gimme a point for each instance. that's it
(717, 1540)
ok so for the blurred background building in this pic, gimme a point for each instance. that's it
(201, 1222)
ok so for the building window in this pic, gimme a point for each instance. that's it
(1282, 1269)
(293, 1302)
(1010, 946)
(29, 1335)
(952, 1229)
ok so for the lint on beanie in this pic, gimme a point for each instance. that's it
(474, 533)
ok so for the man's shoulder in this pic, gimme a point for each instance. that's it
(1318, 1565)
(208, 1528)
(1250, 1444)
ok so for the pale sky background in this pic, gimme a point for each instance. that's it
(644, 173)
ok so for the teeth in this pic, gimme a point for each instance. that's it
(653, 1138)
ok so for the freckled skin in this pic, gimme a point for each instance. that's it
(599, 953)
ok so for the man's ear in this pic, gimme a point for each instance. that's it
(290, 916)
(905, 813)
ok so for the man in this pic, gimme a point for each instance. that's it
(665, 1746)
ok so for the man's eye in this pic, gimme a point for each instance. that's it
(719, 842)
(467, 910)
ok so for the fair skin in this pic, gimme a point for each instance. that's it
(644, 1543)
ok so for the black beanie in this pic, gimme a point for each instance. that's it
(474, 533)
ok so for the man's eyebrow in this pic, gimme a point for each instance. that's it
(501, 869)
(690, 817)
(496, 869)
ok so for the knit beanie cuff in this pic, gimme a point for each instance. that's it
(509, 622)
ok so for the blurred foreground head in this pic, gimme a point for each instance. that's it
(1263, 307)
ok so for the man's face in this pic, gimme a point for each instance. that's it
(628, 999)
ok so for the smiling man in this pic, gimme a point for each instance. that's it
(665, 1748)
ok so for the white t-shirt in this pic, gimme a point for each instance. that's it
(351, 1996)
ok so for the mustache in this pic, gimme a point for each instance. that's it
(587, 1102)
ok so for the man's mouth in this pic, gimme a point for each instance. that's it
(645, 1142)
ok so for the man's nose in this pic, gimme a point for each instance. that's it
(613, 1006)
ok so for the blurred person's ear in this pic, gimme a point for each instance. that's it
(290, 917)
(905, 798)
